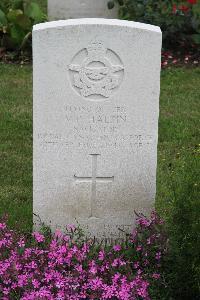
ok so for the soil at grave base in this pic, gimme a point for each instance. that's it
(189, 58)
(14, 57)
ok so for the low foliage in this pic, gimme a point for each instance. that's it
(64, 266)
(179, 20)
(17, 18)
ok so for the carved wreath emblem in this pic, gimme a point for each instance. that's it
(99, 73)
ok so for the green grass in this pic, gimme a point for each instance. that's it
(177, 151)
(178, 147)
(16, 144)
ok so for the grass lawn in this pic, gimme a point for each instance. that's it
(16, 144)
(177, 151)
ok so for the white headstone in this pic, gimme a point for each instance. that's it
(96, 107)
(72, 9)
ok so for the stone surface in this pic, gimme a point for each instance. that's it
(72, 9)
(96, 107)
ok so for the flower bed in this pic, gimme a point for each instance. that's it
(65, 266)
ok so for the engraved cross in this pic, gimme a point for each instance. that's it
(94, 179)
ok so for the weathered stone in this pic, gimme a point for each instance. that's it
(72, 9)
(96, 106)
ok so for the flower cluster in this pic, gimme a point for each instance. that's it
(150, 245)
(62, 267)
(184, 7)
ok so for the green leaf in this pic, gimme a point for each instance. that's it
(111, 4)
(3, 19)
(4, 5)
(121, 2)
(196, 9)
(34, 12)
(13, 14)
(17, 4)
(24, 22)
(17, 34)
(196, 38)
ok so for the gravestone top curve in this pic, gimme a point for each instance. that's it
(95, 21)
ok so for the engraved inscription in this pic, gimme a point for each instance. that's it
(117, 233)
(95, 128)
(93, 179)
(96, 71)
(54, 141)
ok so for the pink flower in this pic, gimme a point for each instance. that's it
(158, 255)
(58, 233)
(136, 265)
(96, 283)
(79, 268)
(139, 248)
(117, 248)
(146, 262)
(156, 276)
(93, 270)
(115, 262)
(35, 283)
(2, 226)
(66, 238)
(139, 272)
(109, 292)
(116, 277)
(148, 241)
(101, 255)
(39, 237)
(21, 243)
(71, 227)
(165, 63)
(6, 291)
(93, 267)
